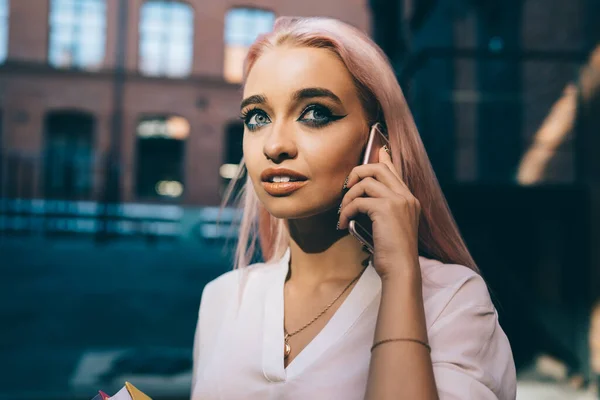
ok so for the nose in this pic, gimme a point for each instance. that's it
(280, 144)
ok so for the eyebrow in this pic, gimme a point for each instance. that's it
(310, 93)
(255, 99)
(302, 94)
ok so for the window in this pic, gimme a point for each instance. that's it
(232, 155)
(242, 27)
(160, 156)
(166, 38)
(77, 33)
(4, 13)
(69, 155)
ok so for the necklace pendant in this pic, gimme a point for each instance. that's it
(287, 349)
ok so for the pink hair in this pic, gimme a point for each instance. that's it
(383, 100)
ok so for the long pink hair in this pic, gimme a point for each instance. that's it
(383, 100)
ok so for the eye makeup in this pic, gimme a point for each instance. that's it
(255, 118)
(320, 115)
(314, 115)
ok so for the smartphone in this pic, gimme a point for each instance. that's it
(362, 227)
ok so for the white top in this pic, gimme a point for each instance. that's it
(238, 346)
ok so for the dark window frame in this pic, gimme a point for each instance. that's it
(65, 159)
(144, 193)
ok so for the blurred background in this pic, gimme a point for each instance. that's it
(119, 131)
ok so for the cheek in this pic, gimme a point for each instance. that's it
(333, 161)
(339, 146)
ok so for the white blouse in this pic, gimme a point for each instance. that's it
(238, 346)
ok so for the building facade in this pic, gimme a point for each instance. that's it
(483, 76)
(165, 99)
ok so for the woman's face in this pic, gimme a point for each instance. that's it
(302, 113)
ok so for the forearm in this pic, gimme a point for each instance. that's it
(401, 370)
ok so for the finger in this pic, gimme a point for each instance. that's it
(365, 205)
(381, 173)
(368, 187)
(386, 158)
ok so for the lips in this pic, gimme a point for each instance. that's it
(282, 181)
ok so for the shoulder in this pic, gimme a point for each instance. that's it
(221, 290)
(470, 352)
(223, 284)
(450, 287)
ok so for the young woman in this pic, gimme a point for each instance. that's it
(322, 318)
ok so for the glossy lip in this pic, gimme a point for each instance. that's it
(282, 188)
(268, 173)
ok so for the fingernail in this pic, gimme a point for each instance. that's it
(337, 228)
(387, 149)
(345, 183)
(340, 209)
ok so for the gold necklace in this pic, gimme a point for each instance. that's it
(287, 349)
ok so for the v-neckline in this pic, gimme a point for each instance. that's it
(359, 298)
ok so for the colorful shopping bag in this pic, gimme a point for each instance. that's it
(128, 392)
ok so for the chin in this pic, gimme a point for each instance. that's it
(293, 208)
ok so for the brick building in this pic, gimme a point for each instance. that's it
(177, 117)
(58, 73)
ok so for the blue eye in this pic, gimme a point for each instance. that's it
(317, 115)
(255, 119)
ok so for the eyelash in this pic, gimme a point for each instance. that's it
(247, 115)
(329, 116)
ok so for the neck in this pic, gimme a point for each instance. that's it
(319, 252)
